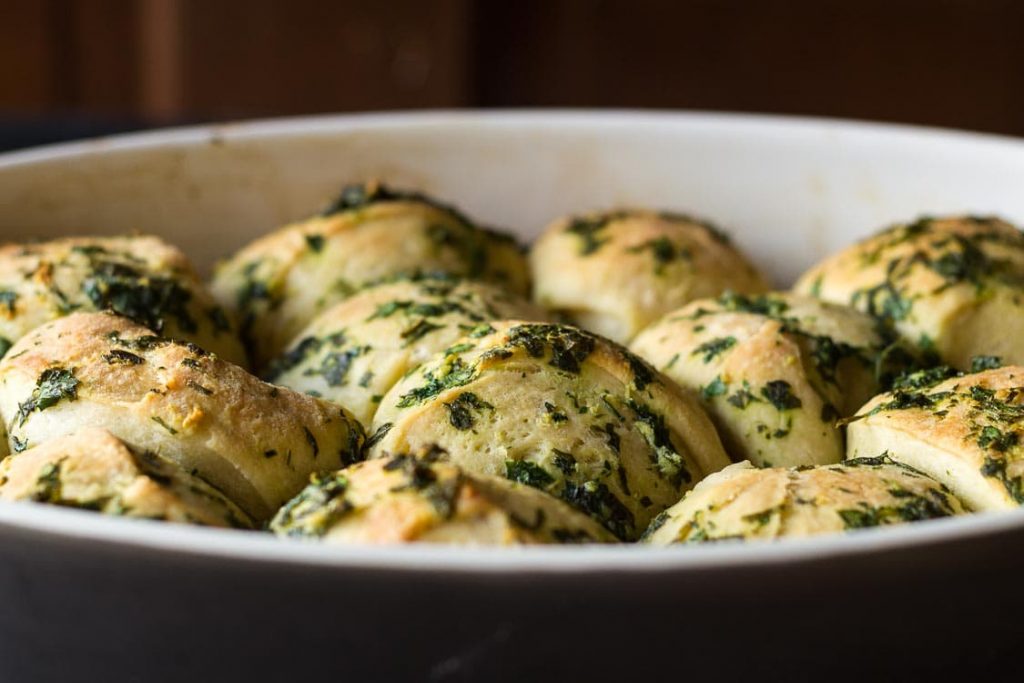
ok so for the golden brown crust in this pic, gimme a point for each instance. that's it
(965, 432)
(354, 352)
(93, 470)
(617, 272)
(256, 442)
(943, 284)
(559, 408)
(140, 276)
(280, 282)
(742, 502)
(774, 371)
(406, 498)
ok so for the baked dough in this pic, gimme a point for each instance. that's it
(280, 282)
(93, 470)
(255, 442)
(742, 502)
(404, 498)
(355, 351)
(967, 432)
(141, 277)
(560, 409)
(615, 273)
(943, 283)
(775, 371)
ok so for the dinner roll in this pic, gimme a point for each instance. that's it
(774, 371)
(355, 351)
(140, 277)
(406, 498)
(255, 442)
(743, 502)
(945, 284)
(562, 410)
(93, 470)
(280, 282)
(615, 273)
(964, 431)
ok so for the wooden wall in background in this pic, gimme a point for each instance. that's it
(943, 62)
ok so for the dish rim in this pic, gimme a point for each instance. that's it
(297, 126)
(76, 526)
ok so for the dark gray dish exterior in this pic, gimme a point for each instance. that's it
(87, 610)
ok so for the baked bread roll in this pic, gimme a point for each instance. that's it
(355, 351)
(774, 371)
(964, 431)
(943, 283)
(255, 442)
(414, 498)
(743, 502)
(280, 282)
(93, 470)
(140, 277)
(615, 273)
(562, 410)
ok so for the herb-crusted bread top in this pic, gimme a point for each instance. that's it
(280, 282)
(140, 277)
(966, 431)
(775, 371)
(954, 286)
(406, 498)
(91, 469)
(355, 351)
(742, 502)
(255, 442)
(560, 409)
(617, 272)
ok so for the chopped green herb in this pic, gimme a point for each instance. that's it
(53, 385)
(311, 440)
(590, 230)
(454, 373)
(597, 500)
(709, 349)
(982, 363)
(669, 462)
(663, 251)
(377, 435)
(8, 299)
(529, 473)
(461, 410)
(120, 357)
(315, 242)
(779, 393)
(554, 414)
(163, 424)
(715, 388)
(996, 440)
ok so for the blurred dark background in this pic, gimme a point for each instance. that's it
(73, 68)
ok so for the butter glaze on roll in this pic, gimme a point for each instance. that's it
(255, 442)
(418, 498)
(775, 371)
(280, 282)
(953, 286)
(561, 409)
(615, 273)
(91, 469)
(354, 352)
(965, 431)
(140, 277)
(744, 503)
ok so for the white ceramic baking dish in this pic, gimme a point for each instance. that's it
(83, 596)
